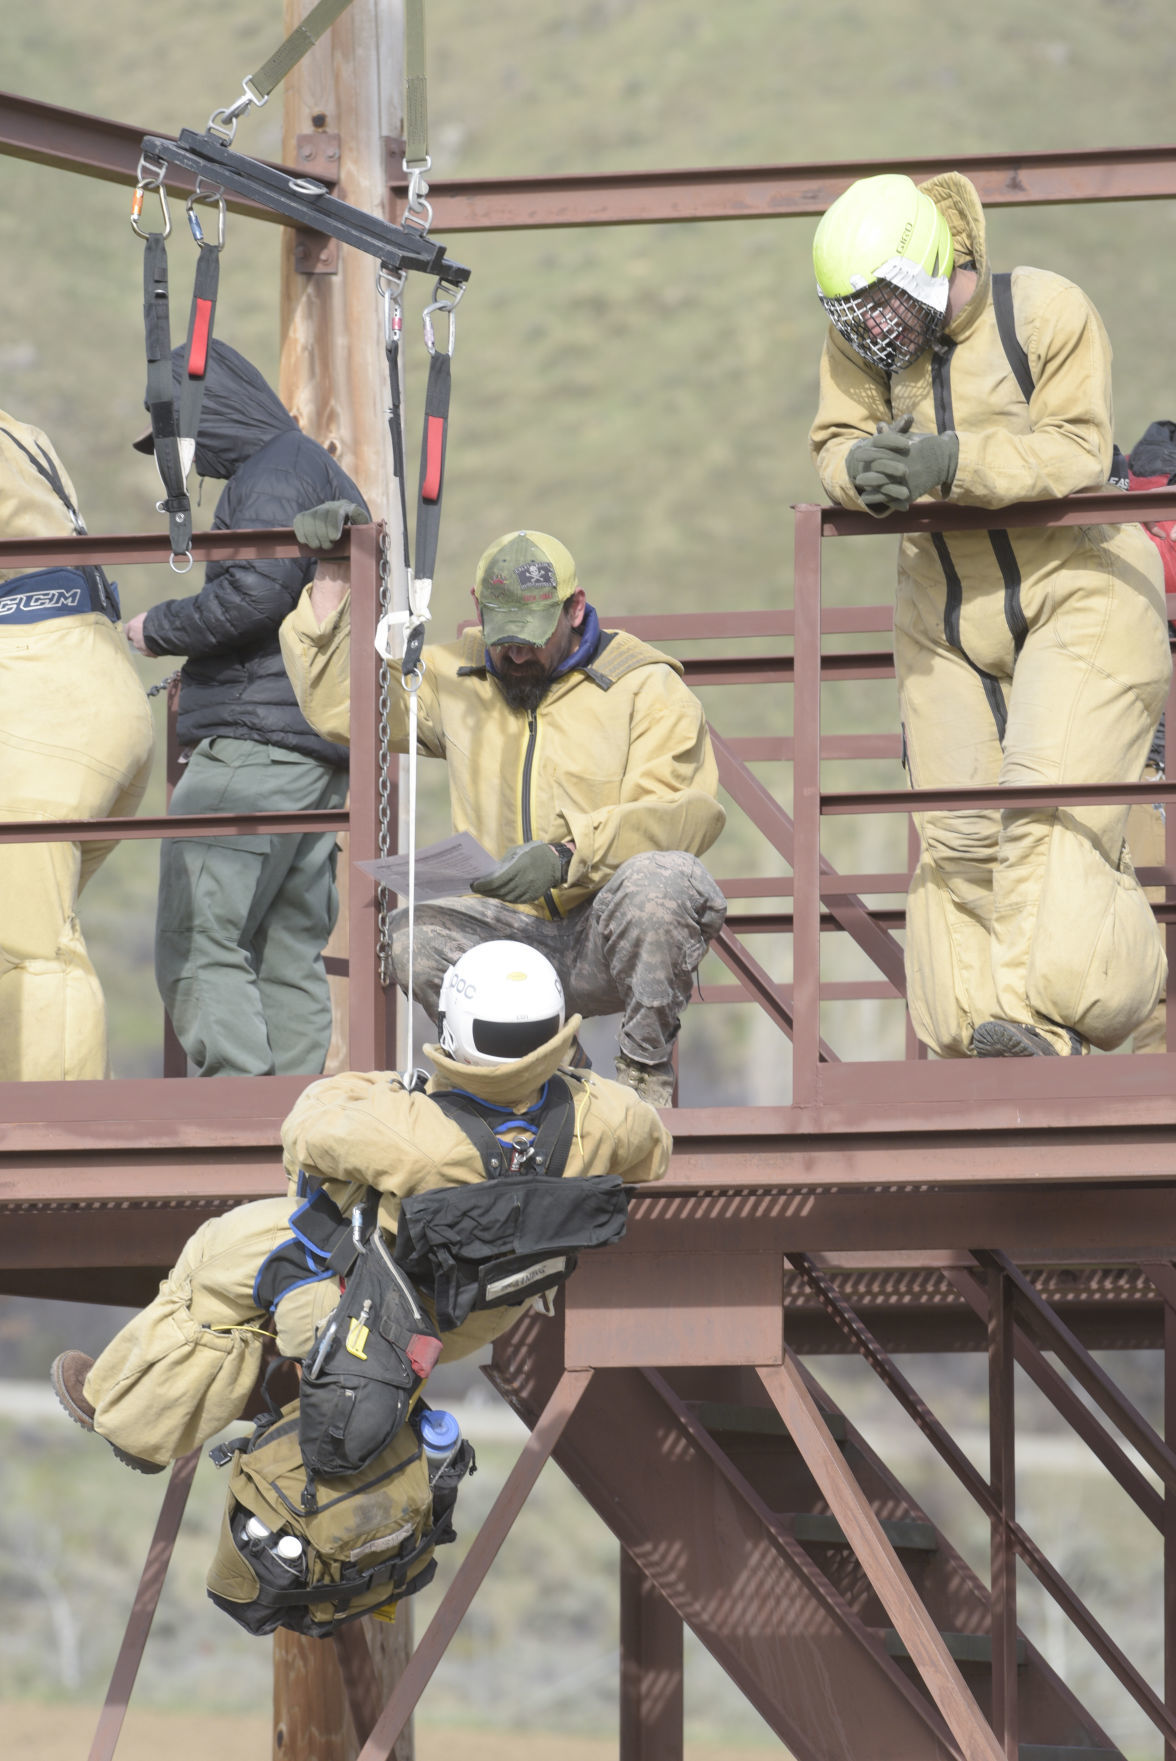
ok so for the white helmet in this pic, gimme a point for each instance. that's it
(499, 1002)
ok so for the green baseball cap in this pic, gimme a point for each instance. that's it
(522, 583)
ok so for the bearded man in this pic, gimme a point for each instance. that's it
(579, 759)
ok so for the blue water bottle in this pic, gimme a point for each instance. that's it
(440, 1436)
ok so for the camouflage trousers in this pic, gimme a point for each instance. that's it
(632, 949)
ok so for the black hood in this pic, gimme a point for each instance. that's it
(240, 413)
(1154, 454)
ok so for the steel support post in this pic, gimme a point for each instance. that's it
(456, 1601)
(806, 808)
(126, 1667)
(941, 1676)
(651, 1669)
(1003, 1481)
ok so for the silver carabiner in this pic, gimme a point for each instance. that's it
(418, 213)
(446, 298)
(151, 176)
(194, 226)
(223, 123)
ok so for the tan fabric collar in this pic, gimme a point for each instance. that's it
(516, 1084)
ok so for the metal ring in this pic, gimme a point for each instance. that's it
(172, 561)
(307, 186)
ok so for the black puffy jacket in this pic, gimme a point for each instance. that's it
(234, 682)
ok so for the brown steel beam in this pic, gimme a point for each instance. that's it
(651, 1669)
(878, 1559)
(95, 146)
(187, 825)
(147, 547)
(1106, 507)
(418, 1672)
(748, 1590)
(134, 1642)
(762, 192)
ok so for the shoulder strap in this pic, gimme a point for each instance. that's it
(1006, 324)
(555, 1116)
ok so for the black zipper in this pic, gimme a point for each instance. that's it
(528, 833)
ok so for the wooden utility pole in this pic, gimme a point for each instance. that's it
(340, 104)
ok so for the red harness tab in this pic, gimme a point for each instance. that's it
(198, 353)
(434, 452)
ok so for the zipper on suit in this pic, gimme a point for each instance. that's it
(528, 824)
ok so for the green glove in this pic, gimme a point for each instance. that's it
(899, 467)
(320, 527)
(877, 466)
(524, 874)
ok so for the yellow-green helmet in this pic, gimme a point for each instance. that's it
(883, 259)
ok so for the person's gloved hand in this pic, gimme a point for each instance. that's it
(893, 467)
(320, 527)
(524, 874)
(877, 466)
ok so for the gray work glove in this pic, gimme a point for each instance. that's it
(320, 527)
(894, 467)
(524, 874)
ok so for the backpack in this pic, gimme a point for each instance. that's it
(373, 1352)
(518, 1234)
(368, 1540)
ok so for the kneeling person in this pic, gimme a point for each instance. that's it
(185, 1367)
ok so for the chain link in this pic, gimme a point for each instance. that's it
(384, 938)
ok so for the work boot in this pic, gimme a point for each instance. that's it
(653, 1082)
(68, 1376)
(1015, 1039)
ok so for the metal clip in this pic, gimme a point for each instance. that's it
(151, 176)
(390, 286)
(194, 226)
(223, 123)
(418, 212)
(446, 298)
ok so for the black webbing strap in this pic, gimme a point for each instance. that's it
(1006, 324)
(200, 326)
(553, 1135)
(432, 480)
(161, 401)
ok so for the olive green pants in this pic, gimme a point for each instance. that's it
(243, 921)
(75, 743)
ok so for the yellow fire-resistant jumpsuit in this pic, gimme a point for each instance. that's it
(1026, 656)
(184, 1367)
(75, 743)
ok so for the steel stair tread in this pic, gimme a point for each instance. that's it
(908, 1534)
(964, 1647)
(756, 1421)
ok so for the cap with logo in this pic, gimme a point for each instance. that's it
(522, 583)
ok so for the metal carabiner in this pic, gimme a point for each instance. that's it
(446, 298)
(151, 176)
(390, 286)
(418, 212)
(223, 123)
(194, 226)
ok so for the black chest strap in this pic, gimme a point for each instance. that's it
(553, 1118)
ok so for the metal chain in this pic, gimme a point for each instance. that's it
(162, 684)
(384, 938)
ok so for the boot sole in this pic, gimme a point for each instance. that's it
(82, 1419)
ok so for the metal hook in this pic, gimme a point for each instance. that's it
(194, 226)
(223, 122)
(137, 209)
(446, 298)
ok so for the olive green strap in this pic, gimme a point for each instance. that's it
(416, 95)
(318, 20)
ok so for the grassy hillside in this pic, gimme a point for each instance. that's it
(643, 392)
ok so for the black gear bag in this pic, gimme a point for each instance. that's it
(518, 1234)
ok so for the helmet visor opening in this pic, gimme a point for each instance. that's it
(888, 326)
(513, 1039)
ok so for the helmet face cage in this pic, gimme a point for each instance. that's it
(888, 326)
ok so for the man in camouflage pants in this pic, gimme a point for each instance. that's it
(581, 761)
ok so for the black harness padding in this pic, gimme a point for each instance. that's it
(554, 1118)
(160, 399)
(518, 1233)
(1018, 360)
